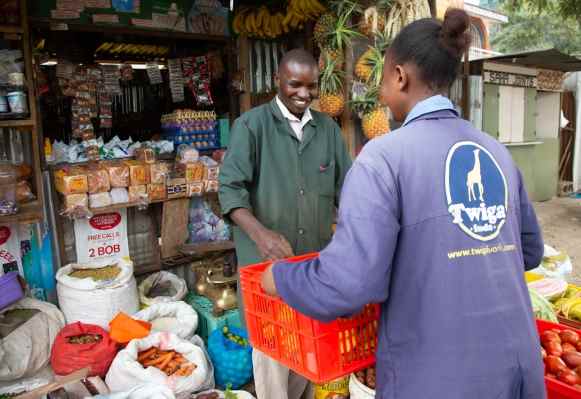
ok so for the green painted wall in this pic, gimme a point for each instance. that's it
(546, 167)
(522, 156)
(530, 114)
(490, 110)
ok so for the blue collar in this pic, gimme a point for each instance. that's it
(429, 105)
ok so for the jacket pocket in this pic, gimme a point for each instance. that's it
(327, 179)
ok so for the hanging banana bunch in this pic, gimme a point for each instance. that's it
(404, 12)
(261, 23)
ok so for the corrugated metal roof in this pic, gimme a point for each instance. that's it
(545, 59)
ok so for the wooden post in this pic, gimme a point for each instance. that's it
(466, 86)
(243, 66)
(347, 122)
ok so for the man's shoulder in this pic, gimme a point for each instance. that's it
(255, 114)
(323, 119)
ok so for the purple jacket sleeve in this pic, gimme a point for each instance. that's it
(531, 237)
(355, 268)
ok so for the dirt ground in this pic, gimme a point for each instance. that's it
(560, 220)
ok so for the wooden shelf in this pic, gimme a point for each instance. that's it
(17, 123)
(28, 213)
(116, 207)
(127, 30)
(11, 29)
(206, 247)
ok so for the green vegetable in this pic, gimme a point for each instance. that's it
(228, 394)
(541, 307)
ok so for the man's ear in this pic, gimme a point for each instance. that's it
(402, 77)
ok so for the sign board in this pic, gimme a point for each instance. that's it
(102, 238)
(510, 79)
(10, 253)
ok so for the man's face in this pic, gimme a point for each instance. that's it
(297, 86)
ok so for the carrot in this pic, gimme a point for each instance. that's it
(146, 354)
(166, 361)
(156, 362)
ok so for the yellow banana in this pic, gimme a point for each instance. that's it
(318, 6)
(287, 19)
(261, 17)
(294, 21)
(236, 23)
(249, 23)
(103, 47)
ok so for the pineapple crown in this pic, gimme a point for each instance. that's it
(343, 31)
(377, 56)
(331, 79)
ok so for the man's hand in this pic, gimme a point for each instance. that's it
(268, 284)
(272, 246)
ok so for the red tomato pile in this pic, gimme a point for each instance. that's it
(561, 351)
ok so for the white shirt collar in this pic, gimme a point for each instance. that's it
(293, 118)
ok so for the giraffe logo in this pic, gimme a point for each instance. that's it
(476, 191)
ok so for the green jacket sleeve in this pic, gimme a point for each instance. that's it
(237, 171)
(342, 160)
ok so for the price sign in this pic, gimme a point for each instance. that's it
(102, 238)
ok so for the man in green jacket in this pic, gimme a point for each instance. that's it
(279, 185)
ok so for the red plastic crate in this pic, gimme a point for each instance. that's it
(556, 389)
(318, 351)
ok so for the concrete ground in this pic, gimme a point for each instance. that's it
(560, 220)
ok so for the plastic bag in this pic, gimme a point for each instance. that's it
(100, 200)
(146, 391)
(162, 287)
(97, 302)
(239, 394)
(119, 196)
(232, 362)
(204, 224)
(126, 372)
(68, 357)
(178, 318)
(42, 378)
(26, 350)
(554, 264)
(124, 328)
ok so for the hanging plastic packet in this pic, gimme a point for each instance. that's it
(153, 73)
(111, 76)
(200, 83)
(176, 80)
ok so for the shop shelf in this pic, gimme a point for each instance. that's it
(16, 123)
(318, 351)
(28, 213)
(11, 29)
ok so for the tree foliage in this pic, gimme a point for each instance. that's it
(528, 30)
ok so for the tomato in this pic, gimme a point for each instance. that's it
(549, 336)
(554, 348)
(554, 364)
(569, 336)
(567, 347)
(569, 377)
(572, 359)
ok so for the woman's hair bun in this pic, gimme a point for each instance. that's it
(455, 36)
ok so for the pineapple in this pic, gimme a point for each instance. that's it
(369, 67)
(374, 116)
(331, 100)
(337, 55)
(323, 28)
(376, 12)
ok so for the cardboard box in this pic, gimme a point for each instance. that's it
(138, 173)
(194, 172)
(138, 193)
(158, 172)
(212, 173)
(176, 188)
(195, 189)
(156, 192)
(71, 180)
(211, 186)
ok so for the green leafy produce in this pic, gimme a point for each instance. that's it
(541, 307)
(228, 394)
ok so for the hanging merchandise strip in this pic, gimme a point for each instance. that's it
(154, 73)
(176, 80)
(200, 81)
(111, 76)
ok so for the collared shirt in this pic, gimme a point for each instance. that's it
(429, 105)
(435, 225)
(291, 186)
(296, 124)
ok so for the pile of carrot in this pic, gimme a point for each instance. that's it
(170, 362)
